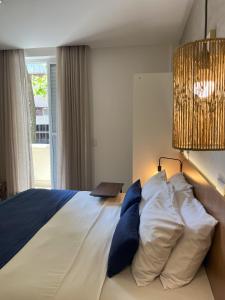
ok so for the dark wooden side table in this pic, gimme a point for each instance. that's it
(3, 191)
(107, 189)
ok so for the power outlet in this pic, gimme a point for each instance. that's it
(221, 179)
(221, 183)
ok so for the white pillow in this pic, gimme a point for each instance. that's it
(191, 249)
(160, 227)
(152, 186)
(179, 182)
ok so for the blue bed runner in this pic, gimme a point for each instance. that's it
(23, 215)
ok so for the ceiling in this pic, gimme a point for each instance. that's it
(99, 23)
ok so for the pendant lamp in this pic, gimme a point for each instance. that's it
(199, 94)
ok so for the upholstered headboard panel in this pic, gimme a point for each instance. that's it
(214, 203)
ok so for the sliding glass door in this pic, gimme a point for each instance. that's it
(43, 120)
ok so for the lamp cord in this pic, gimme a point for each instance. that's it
(206, 17)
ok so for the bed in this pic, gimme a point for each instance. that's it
(67, 257)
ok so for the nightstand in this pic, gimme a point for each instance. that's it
(107, 189)
(3, 191)
(118, 200)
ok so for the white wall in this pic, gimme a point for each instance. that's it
(152, 124)
(212, 164)
(40, 52)
(112, 71)
(194, 28)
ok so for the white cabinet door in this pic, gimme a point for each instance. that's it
(152, 124)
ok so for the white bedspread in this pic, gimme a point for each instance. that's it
(67, 258)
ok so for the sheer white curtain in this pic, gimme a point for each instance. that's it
(74, 147)
(15, 143)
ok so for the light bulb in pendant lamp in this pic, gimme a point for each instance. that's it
(204, 89)
(199, 95)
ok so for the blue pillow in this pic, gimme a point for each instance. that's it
(133, 195)
(125, 241)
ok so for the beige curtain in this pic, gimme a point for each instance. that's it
(74, 151)
(15, 146)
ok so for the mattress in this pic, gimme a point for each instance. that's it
(123, 287)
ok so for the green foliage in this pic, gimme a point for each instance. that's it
(40, 85)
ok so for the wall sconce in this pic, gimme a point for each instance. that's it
(169, 158)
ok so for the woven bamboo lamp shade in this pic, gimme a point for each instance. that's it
(199, 95)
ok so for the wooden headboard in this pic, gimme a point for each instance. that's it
(214, 203)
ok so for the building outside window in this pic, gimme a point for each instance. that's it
(40, 115)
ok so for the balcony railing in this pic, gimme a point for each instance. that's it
(42, 134)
